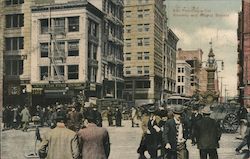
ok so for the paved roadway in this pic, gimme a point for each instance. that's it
(124, 143)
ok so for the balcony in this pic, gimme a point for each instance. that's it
(93, 62)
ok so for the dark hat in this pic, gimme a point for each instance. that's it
(90, 115)
(60, 116)
(178, 109)
(151, 109)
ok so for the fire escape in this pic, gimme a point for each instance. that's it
(56, 50)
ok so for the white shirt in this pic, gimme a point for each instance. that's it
(180, 131)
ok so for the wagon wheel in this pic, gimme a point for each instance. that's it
(230, 123)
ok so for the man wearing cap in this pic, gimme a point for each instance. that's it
(207, 132)
(174, 136)
(94, 140)
(60, 142)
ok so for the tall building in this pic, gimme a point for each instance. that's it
(183, 74)
(203, 80)
(112, 46)
(1, 54)
(169, 63)
(144, 28)
(67, 55)
(243, 53)
(193, 58)
(16, 51)
(76, 48)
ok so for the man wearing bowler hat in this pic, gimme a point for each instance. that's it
(60, 142)
(208, 134)
(174, 135)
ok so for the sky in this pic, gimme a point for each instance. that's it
(197, 22)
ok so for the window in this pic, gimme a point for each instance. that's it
(139, 70)
(127, 70)
(59, 49)
(14, 2)
(182, 89)
(146, 55)
(14, 20)
(14, 67)
(93, 28)
(139, 27)
(128, 85)
(73, 48)
(182, 70)
(139, 41)
(179, 69)
(128, 28)
(73, 24)
(14, 43)
(44, 72)
(139, 1)
(72, 71)
(95, 52)
(146, 12)
(139, 55)
(140, 13)
(128, 14)
(146, 27)
(146, 42)
(44, 49)
(128, 42)
(128, 56)
(142, 84)
(182, 78)
(44, 26)
(60, 70)
(179, 78)
(59, 25)
(178, 89)
(146, 70)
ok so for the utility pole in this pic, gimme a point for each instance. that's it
(1, 55)
(220, 88)
(225, 95)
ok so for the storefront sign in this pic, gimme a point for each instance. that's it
(57, 85)
(14, 90)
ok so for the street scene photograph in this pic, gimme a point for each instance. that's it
(125, 79)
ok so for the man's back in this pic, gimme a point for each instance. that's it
(61, 144)
(95, 142)
(207, 133)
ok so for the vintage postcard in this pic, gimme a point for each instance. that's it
(125, 79)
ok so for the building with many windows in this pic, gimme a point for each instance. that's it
(194, 59)
(183, 75)
(76, 48)
(144, 28)
(16, 51)
(169, 61)
(244, 53)
(67, 54)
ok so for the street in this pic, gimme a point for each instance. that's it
(124, 143)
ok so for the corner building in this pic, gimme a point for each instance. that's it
(144, 24)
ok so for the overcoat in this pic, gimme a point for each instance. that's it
(25, 115)
(169, 133)
(95, 142)
(207, 132)
(60, 143)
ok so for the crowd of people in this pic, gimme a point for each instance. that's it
(19, 117)
(168, 131)
(80, 130)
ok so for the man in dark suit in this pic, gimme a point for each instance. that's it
(175, 134)
(94, 140)
(195, 116)
(208, 135)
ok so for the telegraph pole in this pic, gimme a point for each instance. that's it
(225, 95)
(220, 88)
